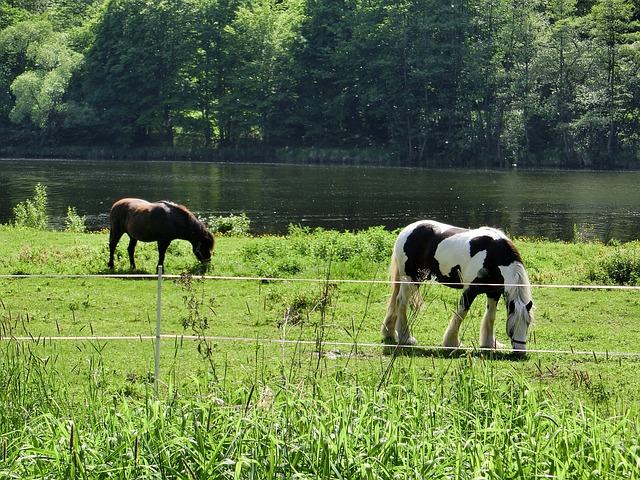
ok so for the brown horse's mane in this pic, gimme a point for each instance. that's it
(192, 219)
(179, 207)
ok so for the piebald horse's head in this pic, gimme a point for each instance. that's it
(519, 317)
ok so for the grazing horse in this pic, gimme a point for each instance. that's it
(159, 222)
(481, 260)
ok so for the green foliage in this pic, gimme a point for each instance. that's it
(141, 50)
(233, 225)
(301, 368)
(75, 223)
(433, 418)
(424, 82)
(32, 213)
(280, 257)
(44, 64)
(622, 267)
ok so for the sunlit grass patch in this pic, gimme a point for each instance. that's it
(266, 378)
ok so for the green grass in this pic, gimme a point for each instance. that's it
(328, 404)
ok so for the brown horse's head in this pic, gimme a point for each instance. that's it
(203, 246)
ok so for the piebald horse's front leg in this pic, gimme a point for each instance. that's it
(451, 338)
(487, 337)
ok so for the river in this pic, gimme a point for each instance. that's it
(539, 203)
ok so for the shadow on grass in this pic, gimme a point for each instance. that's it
(492, 354)
(195, 270)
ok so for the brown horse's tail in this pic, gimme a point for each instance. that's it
(117, 219)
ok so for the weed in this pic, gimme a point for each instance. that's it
(233, 225)
(32, 213)
(196, 319)
(75, 223)
(622, 267)
(584, 233)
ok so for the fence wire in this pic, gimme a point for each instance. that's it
(435, 348)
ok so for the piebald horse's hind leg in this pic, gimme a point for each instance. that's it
(389, 324)
(451, 339)
(132, 249)
(487, 337)
(405, 294)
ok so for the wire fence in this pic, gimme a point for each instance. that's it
(316, 280)
(282, 341)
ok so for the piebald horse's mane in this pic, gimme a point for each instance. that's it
(518, 288)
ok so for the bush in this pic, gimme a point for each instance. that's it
(277, 257)
(234, 225)
(373, 244)
(32, 213)
(622, 267)
(75, 223)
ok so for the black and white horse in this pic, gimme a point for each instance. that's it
(481, 260)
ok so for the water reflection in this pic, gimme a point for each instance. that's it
(532, 203)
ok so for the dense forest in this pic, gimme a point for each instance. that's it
(482, 83)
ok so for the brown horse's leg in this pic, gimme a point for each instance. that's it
(162, 249)
(131, 249)
(114, 238)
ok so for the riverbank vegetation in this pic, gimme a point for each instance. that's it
(273, 366)
(472, 83)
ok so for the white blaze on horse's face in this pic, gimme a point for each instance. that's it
(517, 296)
(517, 329)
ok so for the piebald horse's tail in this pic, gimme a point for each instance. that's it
(402, 294)
(389, 324)
(394, 276)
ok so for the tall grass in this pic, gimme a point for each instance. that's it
(298, 411)
(458, 419)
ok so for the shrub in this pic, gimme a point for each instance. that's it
(75, 223)
(234, 225)
(622, 267)
(32, 213)
(278, 257)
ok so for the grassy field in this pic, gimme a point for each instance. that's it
(236, 401)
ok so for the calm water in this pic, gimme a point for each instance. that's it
(533, 203)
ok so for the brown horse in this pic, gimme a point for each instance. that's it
(159, 222)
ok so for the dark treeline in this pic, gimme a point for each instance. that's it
(467, 83)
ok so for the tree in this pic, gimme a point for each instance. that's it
(611, 21)
(134, 77)
(209, 73)
(319, 116)
(261, 38)
(47, 65)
